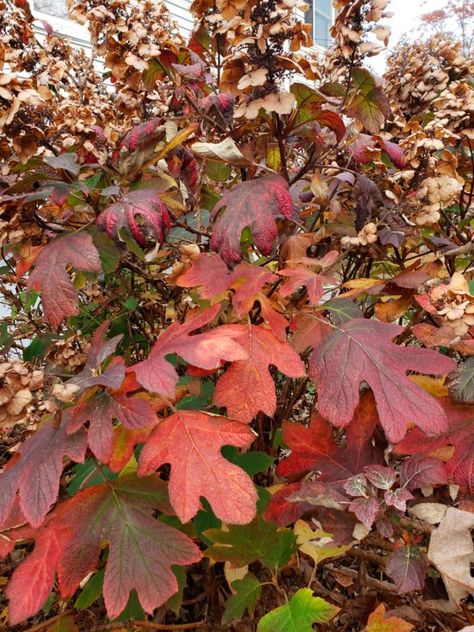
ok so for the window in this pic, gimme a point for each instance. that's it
(320, 16)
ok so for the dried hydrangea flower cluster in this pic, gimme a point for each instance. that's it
(436, 193)
(19, 384)
(255, 38)
(452, 304)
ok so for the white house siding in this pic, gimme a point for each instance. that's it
(180, 10)
(54, 12)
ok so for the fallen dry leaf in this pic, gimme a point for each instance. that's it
(452, 552)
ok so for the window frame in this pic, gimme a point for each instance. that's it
(313, 13)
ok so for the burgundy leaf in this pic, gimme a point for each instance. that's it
(380, 476)
(100, 350)
(35, 474)
(365, 509)
(58, 294)
(356, 486)
(254, 204)
(398, 498)
(420, 470)
(101, 409)
(361, 350)
(141, 212)
(407, 569)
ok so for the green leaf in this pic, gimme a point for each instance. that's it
(153, 73)
(133, 610)
(91, 591)
(36, 348)
(64, 624)
(368, 104)
(305, 95)
(260, 541)
(250, 462)
(247, 593)
(363, 81)
(48, 604)
(6, 340)
(86, 475)
(109, 253)
(205, 520)
(131, 304)
(299, 614)
(132, 244)
(175, 602)
(342, 310)
(217, 171)
(197, 402)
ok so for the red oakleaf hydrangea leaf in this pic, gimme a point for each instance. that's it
(206, 351)
(12, 529)
(356, 485)
(191, 442)
(309, 329)
(248, 281)
(139, 147)
(407, 569)
(302, 275)
(315, 448)
(101, 409)
(123, 445)
(58, 296)
(183, 166)
(141, 548)
(33, 579)
(361, 350)
(247, 387)
(141, 212)
(220, 107)
(100, 350)
(209, 273)
(254, 204)
(35, 474)
(456, 447)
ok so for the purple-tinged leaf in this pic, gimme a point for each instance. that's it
(407, 569)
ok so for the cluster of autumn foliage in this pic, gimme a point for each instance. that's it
(237, 373)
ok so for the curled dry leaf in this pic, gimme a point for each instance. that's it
(225, 151)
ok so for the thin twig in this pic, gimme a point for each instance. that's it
(48, 622)
(150, 625)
